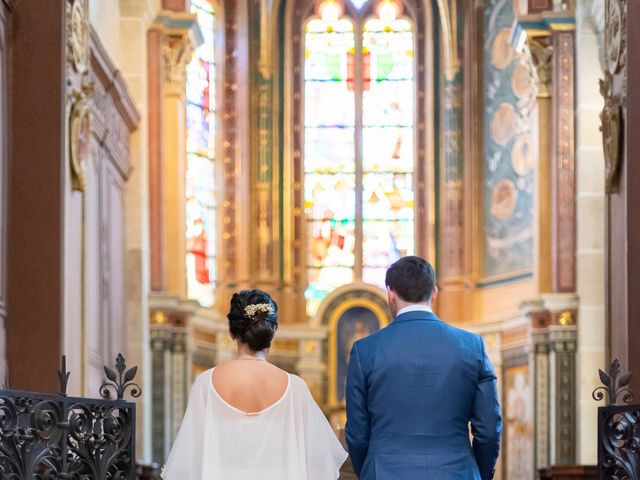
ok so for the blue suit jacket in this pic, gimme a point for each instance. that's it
(412, 390)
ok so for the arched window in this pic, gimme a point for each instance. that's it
(200, 180)
(359, 143)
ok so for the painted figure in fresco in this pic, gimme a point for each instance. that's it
(518, 424)
(360, 331)
(354, 324)
(414, 387)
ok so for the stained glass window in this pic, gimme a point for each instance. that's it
(359, 3)
(200, 181)
(358, 148)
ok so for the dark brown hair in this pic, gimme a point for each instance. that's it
(412, 278)
(258, 329)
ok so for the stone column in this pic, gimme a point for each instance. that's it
(171, 39)
(542, 54)
(551, 41)
(238, 225)
(311, 366)
(180, 376)
(452, 240)
(171, 361)
(539, 318)
(161, 392)
(176, 50)
(562, 377)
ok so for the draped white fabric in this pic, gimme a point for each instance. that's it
(290, 440)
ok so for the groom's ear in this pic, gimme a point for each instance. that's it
(434, 293)
(391, 296)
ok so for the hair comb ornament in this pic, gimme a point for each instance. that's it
(251, 310)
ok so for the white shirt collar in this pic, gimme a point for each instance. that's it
(415, 307)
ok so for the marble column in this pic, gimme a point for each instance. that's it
(171, 362)
(562, 333)
(176, 49)
(452, 240)
(238, 226)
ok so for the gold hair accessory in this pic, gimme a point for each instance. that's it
(251, 310)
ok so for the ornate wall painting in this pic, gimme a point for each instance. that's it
(518, 423)
(509, 101)
(354, 324)
(351, 316)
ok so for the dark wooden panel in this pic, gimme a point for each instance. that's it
(35, 194)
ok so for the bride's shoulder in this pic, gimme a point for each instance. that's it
(203, 379)
(299, 386)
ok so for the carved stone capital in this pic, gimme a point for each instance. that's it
(177, 52)
(542, 54)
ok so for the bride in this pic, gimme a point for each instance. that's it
(248, 419)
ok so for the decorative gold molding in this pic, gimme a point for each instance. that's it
(80, 88)
(448, 22)
(78, 35)
(79, 136)
(267, 47)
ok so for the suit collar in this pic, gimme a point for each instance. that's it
(415, 315)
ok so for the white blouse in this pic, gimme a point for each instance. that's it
(289, 440)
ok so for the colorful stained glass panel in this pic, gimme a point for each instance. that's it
(200, 179)
(329, 149)
(388, 147)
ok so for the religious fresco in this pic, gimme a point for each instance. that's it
(349, 316)
(518, 423)
(509, 116)
(354, 324)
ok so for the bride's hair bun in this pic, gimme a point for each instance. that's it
(253, 318)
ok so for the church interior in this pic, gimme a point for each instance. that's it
(158, 155)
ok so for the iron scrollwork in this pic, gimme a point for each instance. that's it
(45, 436)
(614, 384)
(618, 427)
(120, 382)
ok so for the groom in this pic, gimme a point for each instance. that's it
(414, 387)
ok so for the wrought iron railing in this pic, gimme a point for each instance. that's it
(618, 427)
(44, 436)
